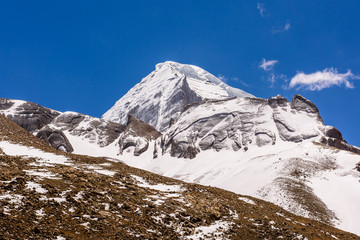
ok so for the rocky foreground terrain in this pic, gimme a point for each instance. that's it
(50, 194)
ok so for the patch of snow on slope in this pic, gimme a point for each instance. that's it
(247, 200)
(252, 171)
(214, 231)
(43, 157)
(12, 198)
(226, 169)
(105, 172)
(82, 146)
(159, 187)
(339, 189)
(41, 173)
(36, 186)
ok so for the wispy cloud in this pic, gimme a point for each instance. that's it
(322, 79)
(267, 65)
(285, 28)
(261, 8)
(271, 79)
(233, 79)
(222, 78)
(245, 84)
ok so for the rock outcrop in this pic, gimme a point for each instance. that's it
(28, 115)
(94, 130)
(55, 138)
(137, 134)
(241, 123)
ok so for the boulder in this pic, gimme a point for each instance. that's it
(137, 134)
(183, 150)
(55, 138)
(332, 132)
(264, 137)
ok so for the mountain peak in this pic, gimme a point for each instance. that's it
(167, 64)
(166, 91)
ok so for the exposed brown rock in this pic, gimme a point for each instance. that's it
(141, 129)
(332, 132)
(342, 145)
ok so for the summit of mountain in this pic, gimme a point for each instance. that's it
(165, 92)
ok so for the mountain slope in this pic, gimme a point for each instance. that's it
(71, 131)
(46, 193)
(283, 149)
(164, 93)
(273, 149)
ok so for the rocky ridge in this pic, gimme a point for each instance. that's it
(28, 115)
(241, 123)
(67, 130)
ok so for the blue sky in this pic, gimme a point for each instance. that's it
(84, 55)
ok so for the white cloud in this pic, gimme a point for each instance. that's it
(285, 28)
(322, 79)
(261, 8)
(267, 65)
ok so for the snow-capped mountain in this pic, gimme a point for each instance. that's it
(272, 149)
(49, 194)
(164, 93)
